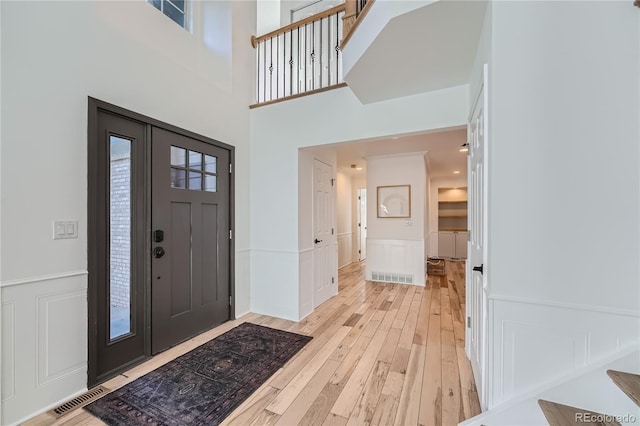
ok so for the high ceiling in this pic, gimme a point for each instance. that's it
(442, 151)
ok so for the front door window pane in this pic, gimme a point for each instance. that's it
(178, 178)
(195, 160)
(120, 237)
(210, 183)
(195, 181)
(210, 164)
(178, 156)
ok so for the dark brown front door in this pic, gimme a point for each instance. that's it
(159, 219)
(190, 238)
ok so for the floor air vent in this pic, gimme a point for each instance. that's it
(79, 401)
(389, 277)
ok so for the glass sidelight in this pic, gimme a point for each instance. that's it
(119, 237)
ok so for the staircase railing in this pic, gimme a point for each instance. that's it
(355, 13)
(301, 58)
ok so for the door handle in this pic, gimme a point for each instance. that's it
(479, 268)
(158, 252)
(317, 241)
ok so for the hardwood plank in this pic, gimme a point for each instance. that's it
(446, 319)
(252, 410)
(409, 405)
(321, 407)
(393, 384)
(409, 328)
(431, 398)
(390, 345)
(385, 410)
(364, 409)
(403, 310)
(302, 358)
(358, 379)
(452, 408)
(399, 296)
(353, 320)
(400, 361)
(334, 420)
(364, 328)
(294, 414)
(422, 321)
(290, 392)
(388, 319)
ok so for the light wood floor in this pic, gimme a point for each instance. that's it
(381, 354)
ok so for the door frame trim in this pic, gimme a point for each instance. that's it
(95, 248)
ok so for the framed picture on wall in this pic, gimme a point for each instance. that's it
(394, 201)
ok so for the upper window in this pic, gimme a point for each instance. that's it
(176, 10)
(193, 170)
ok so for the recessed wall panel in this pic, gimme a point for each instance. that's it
(60, 324)
(8, 350)
(180, 258)
(209, 253)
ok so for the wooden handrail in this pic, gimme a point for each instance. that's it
(329, 12)
(359, 19)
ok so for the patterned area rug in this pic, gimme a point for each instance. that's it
(205, 385)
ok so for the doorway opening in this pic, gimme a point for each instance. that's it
(362, 224)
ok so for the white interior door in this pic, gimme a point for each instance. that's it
(325, 253)
(362, 224)
(476, 251)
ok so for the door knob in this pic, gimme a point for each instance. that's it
(317, 241)
(158, 252)
(479, 268)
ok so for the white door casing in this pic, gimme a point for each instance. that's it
(324, 256)
(476, 276)
(362, 224)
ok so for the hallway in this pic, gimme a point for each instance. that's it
(381, 354)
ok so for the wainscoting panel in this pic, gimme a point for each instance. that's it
(59, 350)
(396, 258)
(433, 244)
(306, 276)
(534, 342)
(274, 286)
(243, 276)
(8, 351)
(345, 249)
(46, 338)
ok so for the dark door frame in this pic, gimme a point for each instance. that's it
(96, 244)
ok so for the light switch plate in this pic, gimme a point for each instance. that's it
(63, 230)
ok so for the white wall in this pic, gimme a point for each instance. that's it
(267, 16)
(55, 55)
(345, 212)
(563, 185)
(277, 132)
(406, 236)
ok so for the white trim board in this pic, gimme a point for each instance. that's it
(40, 278)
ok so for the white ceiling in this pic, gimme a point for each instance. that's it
(430, 48)
(442, 150)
